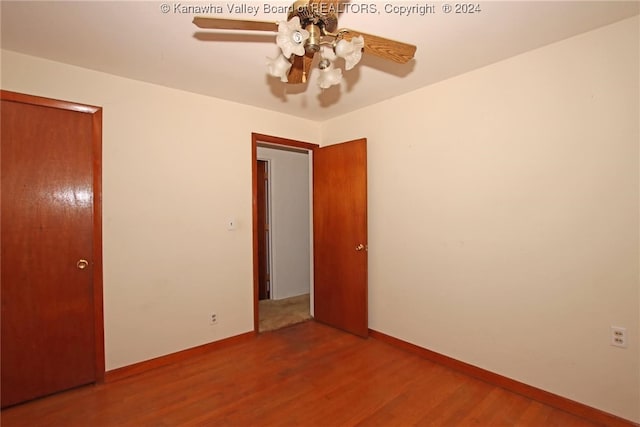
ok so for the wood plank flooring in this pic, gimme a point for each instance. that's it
(304, 375)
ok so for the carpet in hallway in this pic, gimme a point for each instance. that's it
(276, 314)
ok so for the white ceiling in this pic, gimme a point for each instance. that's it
(135, 39)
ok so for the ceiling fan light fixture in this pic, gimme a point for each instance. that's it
(351, 51)
(329, 76)
(327, 52)
(311, 28)
(279, 67)
(291, 37)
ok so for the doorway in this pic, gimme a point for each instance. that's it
(338, 230)
(284, 235)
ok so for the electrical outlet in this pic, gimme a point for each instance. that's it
(619, 336)
(213, 319)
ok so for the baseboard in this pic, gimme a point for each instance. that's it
(147, 365)
(559, 402)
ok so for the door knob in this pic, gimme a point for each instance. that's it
(359, 247)
(82, 264)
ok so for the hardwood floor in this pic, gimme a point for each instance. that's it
(304, 375)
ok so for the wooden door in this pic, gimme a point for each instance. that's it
(340, 236)
(264, 279)
(50, 333)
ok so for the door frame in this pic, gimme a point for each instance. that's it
(96, 137)
(275, 142)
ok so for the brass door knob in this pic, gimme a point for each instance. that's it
(82, 264)
(359, 247)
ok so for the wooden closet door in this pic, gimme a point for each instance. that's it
(47, 265)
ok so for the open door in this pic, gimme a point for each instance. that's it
(340, 236)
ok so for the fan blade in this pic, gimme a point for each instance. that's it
(234, 24)
(384, 48)
(300, 68)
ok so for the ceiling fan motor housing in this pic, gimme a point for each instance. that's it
(319, 14)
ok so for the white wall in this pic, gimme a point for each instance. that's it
(176, 166)
(503, 216)
(289, 179)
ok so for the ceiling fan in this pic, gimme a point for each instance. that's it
(312, 27)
